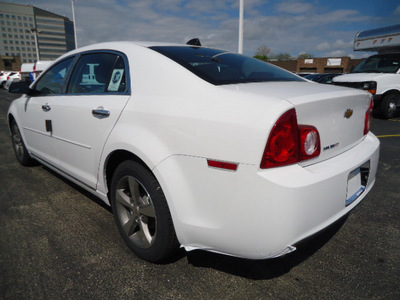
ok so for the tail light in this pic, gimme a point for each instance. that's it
(289, 143)
(368, 116)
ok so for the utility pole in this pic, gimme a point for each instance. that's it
(73, 20)
(241, 13)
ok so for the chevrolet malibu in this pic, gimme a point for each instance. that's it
(199, 148)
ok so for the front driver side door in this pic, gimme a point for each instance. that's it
(82, 121)
(37, 119)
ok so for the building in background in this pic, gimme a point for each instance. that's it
(319, 65)
(20, 23)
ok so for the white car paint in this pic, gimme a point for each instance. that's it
(174, 121)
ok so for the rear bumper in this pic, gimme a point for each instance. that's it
(259, 214)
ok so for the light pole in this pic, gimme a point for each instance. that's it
(241, 13)
(73, 20)
(35, 32)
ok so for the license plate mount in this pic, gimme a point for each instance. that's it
(357, 182)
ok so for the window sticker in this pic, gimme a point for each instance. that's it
(115, 80)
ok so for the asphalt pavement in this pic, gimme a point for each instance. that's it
(59, 242)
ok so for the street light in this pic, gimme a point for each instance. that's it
(35, 32)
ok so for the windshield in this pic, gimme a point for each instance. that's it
(220, 67)
(388, 63)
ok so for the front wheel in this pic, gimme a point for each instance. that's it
(20, 150)
(141, 213)
(389, 105)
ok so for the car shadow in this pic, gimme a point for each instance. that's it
(77, 188)
(268, 268)
(246, 268)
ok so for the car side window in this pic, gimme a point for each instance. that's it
(98, 73)
(52, 81)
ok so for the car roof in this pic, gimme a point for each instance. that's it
(120, 45)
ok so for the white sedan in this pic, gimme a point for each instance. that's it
(197, 147)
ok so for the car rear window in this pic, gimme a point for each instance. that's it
(221, 67)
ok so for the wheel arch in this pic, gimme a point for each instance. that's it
(10, 118)
(392, 91)
(114, 159)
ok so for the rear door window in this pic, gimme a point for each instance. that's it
(98, 73)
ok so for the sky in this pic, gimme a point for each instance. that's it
(323, 28)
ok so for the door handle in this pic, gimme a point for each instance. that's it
(46, 107)
(100, 113)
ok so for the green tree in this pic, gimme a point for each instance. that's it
(262, 53)
(282, 56)
(305, 55)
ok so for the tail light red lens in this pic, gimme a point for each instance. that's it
(282, 147)
(368, 116)
(290, 143)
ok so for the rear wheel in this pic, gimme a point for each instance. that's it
(20, 150)
(389, 105)
(141, 213)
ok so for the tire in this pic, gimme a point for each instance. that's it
(141, 213)
(388, 105)
(20, 150)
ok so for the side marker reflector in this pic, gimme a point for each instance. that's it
(222, 165)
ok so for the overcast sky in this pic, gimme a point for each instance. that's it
(319, 27)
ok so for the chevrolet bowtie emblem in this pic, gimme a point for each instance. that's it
(348, 113)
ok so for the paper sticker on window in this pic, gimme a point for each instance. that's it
(115, 80)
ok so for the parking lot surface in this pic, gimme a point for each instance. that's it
(59, 242)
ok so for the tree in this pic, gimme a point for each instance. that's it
(305, 55)
(262, 53)
(282, 56)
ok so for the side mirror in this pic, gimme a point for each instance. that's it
(20, 87)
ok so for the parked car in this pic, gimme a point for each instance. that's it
(26, 72)
(198, 147)
(12, 77)
(3, 78)
(322, 77)
(39, 67)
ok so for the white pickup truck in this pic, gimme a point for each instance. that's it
(379, 74)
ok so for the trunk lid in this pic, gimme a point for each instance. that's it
(337, 112)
